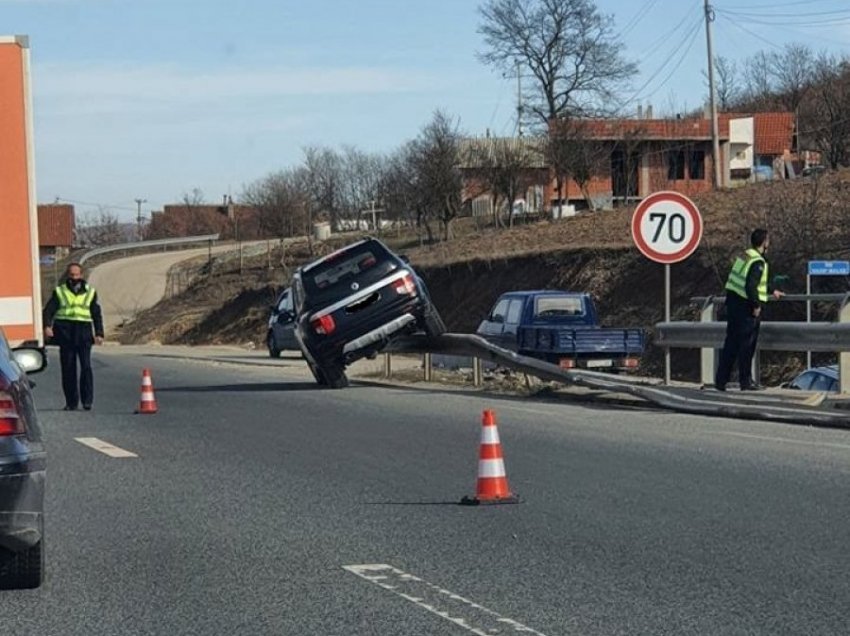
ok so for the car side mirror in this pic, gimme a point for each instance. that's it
(286, 316)
(405, 258)
(497, 318)
(30, 360)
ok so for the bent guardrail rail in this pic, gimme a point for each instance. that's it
(476, 346)
(185, 240)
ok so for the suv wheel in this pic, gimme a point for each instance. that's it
(335, 375)
(317, 374)
(433, 323)
(274, 352)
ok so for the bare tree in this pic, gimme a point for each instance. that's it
(436, 161)
(279, 202)
(825, 110)
(325, 182)
(575, 154)
(504, 166)
(758, 80)
(792, 73)
(570, 50)
(98, 229)
(727, 82)
(568, 47)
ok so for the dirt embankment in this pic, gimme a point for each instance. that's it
(591, 252)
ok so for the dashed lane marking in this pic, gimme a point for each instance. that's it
(473, 617)
(104, 447)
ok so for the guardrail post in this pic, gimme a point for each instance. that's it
(708, 357)
(477, 372)
(427, 368)
(844, 356)
(388, 365)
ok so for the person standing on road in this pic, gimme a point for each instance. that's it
(746, 295)
(73, 320)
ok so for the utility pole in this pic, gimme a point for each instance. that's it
(715, 132)
(374, 212)
(139, 217)
(518, 98)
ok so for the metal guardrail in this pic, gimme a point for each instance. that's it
(208, 238)
(708, 335)
(823, 337)
(481, 349)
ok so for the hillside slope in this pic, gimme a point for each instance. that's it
(590, 252)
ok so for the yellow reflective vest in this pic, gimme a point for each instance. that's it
(74, 307)
(737, 281)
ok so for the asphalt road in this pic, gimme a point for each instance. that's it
(259, 504)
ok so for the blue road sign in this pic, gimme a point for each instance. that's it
(829, 268)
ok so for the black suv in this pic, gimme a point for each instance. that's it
(349, 305)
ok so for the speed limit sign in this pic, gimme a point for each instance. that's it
(666, 227)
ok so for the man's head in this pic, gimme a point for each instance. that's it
(74, 272)
(759, 240)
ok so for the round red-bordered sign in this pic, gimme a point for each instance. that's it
(666, 227)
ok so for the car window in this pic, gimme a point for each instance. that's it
(500, 310)
(364, 264)
(820, 382)
(558, 306)
(514, 312)
(803, 381)
(284, 302)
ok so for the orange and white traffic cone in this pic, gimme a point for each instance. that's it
(492, 480)
(147, 405)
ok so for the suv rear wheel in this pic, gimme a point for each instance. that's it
(274, 352)
(433, 323)
(335, 376)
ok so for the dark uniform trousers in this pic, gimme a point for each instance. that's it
(742, 331)
(75, 340)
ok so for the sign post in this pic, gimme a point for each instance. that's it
(667, 228)
(821, 268)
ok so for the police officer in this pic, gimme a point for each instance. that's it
(68, 318)
(746, 294)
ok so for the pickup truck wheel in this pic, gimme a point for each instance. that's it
(335, 374)
(21, 570)
(434, 325)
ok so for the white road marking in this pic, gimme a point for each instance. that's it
(104, 447)
(785, 440)
(473, 617)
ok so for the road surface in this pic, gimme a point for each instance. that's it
(257, 503)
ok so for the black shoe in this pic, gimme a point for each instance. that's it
(720, 387)
(68, 407)
(752, 387)
(87, 407)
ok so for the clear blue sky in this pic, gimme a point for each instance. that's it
(153, 98)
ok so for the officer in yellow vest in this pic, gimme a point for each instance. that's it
(69, 318)
(746, 294)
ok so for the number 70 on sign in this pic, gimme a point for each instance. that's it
(666, 227)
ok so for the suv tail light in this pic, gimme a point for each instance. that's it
(405, 285)
(324, 325)
(10, 422)
(631, 363)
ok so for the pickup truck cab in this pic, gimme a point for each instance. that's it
(562, 328)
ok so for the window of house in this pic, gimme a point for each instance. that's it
(675, 165)
(697, 167)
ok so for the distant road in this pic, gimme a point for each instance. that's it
(129, 285)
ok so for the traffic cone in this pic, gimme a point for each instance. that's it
(492, 481)
(147, 404)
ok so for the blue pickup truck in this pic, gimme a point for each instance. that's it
(562, 328)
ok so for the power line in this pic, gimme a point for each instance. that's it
(637, 17)
(687, 41)
(810, 14)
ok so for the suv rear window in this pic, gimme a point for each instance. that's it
(364, 264)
